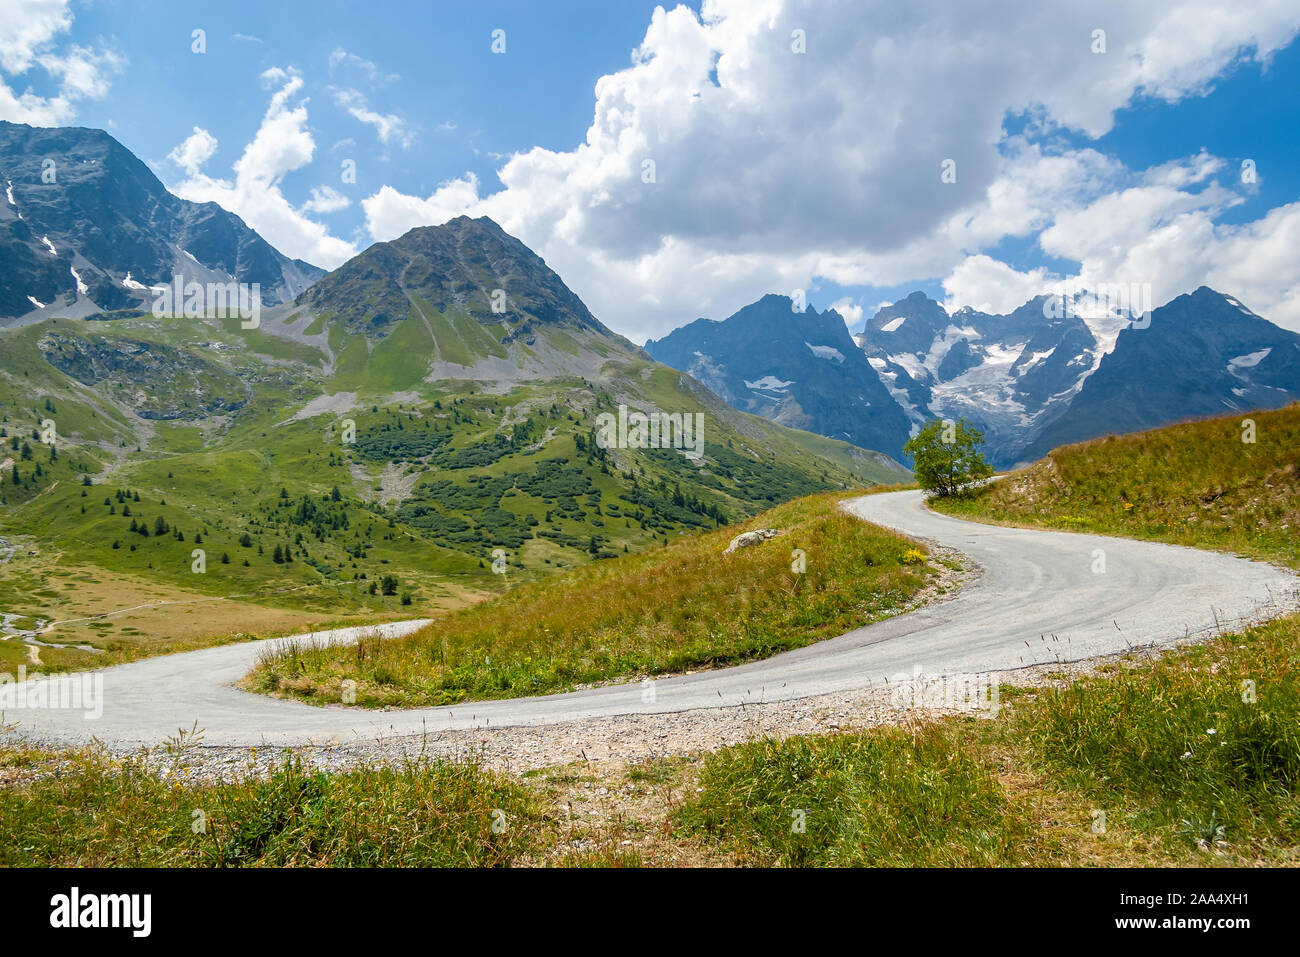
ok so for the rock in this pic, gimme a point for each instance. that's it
(746, 539)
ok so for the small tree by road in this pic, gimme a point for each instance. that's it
(947, 457)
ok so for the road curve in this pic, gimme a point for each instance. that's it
(1038, 600)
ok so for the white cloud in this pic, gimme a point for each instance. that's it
(31, 36)
(26, 27)
(342, 60)
(1157, 234)
(389, 213)
(389, 126)
(773, 168)
(850, 310)
(989, 285)
(325, 199)
(195, 150)
(282, 145)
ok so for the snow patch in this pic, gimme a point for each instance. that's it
(1036, 358)
(9, 193)
(49, 245)
(134, 284)
(826, 352)
(1248, 361)
(82, 288)
(36, 302)
(889, 379)
(769, 383)
(893, 324)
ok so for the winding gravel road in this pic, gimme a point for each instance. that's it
(1038, 600)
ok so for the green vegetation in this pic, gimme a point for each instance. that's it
(289, 501)
(899, 796)
(947, 458)
(683, 606)
(101, 813)
(1196, 484)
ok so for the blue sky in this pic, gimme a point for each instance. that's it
(776, 169)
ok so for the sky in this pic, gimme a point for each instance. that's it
(672, 162)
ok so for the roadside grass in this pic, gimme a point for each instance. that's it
(1194, 484)
(89, 811)
(897, 796)
(679, 607)
(1190, 757)
(1148, 763)
(1200, 748)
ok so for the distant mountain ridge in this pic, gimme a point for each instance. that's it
(86, 227)
(1031, 379)
(799, 369)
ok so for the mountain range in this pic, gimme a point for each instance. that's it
(86, 230)
(820, 380)
(1030, 379)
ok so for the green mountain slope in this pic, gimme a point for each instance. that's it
(383, 439)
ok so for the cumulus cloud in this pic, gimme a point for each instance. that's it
(722, 163)
(1154, 233)
(283, 144)
(31, 37)
(193, 151)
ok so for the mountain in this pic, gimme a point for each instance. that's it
(1046, 373)
(85, 228)
(386, 433)
(464, 300)
(801, 369)
(1010, 374)
(1203, 353)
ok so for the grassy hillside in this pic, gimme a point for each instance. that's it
(1195, 484)
(682, 606)
(319, 495)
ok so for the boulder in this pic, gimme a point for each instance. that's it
(745, 539)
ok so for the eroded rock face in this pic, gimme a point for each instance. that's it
(745, 539)
(156, 381)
